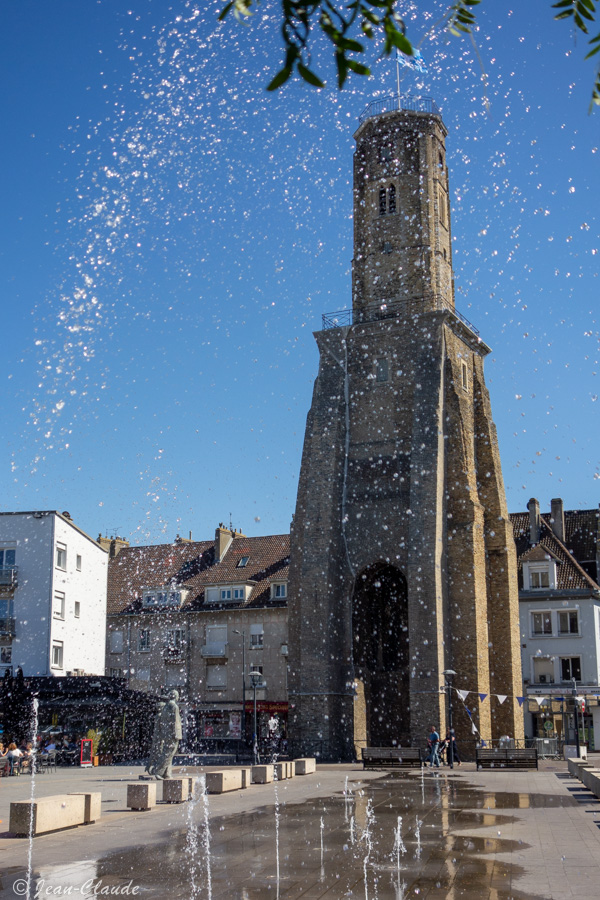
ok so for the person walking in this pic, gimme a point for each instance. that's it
(451, 748)
(433, 742)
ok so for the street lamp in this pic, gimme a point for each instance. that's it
(257, 680)
(574, 692)
(243, 724)
(448, 676)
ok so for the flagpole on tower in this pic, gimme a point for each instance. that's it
(403, 30)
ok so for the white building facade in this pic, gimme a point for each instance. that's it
(52, 596)
(559, 604)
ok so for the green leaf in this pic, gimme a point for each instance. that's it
(310, 76)
(586, 14)
(225, 11)
(402, 43)
(357, 67)
(281, 78)
(342, 67)
(349, 44)
(371, 16)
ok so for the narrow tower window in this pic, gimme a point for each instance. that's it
(464, 375)
(442, 206)
(381, 370)
(382, 201)
(392, 199)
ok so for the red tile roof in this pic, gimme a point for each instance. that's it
(193, 566)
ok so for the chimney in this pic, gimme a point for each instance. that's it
(557, 515)
(223, 539)
(534, 521)
(112, 545)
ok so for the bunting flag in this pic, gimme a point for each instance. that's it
(473, 728)
(501, 698)
(415, 62)
(463, 695)
(482, 697)
(540, 700)
(521, 700)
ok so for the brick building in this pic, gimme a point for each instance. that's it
(198, 616)
(402, 558)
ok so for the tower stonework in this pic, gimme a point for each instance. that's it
(402, 558)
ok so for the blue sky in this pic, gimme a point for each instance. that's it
(171, 235)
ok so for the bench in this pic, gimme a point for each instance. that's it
(224, 780)
(53, 813)
(506, 759)
(392, 757)
(305, 766)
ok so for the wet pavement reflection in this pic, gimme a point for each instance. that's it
(395, 837)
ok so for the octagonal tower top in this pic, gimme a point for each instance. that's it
(402, 238)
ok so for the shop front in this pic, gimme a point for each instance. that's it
(553, 718)
(219, 728)
(271, 725)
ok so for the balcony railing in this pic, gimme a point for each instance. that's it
(7, 626)
(397, 103)
(174, 654)
(215, 649)
(8, 576)
(345, 317)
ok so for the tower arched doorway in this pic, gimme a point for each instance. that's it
(381, 656)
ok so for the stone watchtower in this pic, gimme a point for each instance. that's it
(403, 561)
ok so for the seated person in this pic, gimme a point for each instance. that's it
(13, 754)
(27, 756)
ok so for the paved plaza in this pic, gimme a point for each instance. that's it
(341, 832)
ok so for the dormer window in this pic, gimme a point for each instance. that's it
(539, 576)
(279, 591)
(154, 598)
(227, 593)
